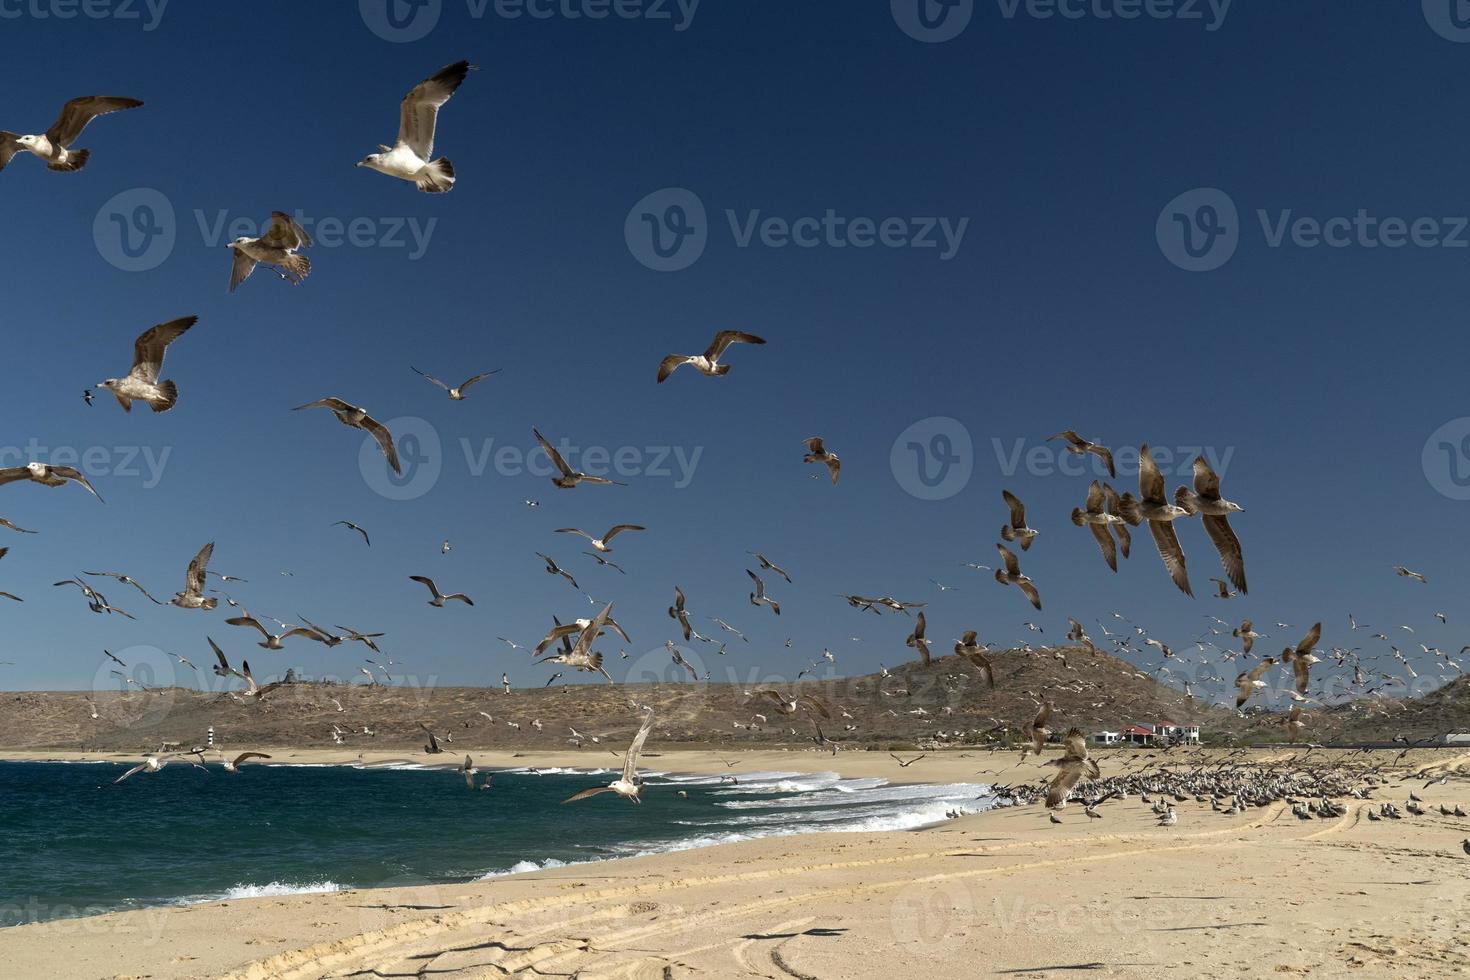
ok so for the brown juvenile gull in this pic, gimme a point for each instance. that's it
(708, 362)
(581, 655)
(1224, 591)
(141, 383)
(678, 612)
(14, 527)
(678, 658)
(817, 453)
(1017, 530)
(54, 146)
(439, 598)
(1095, 518)
(409, 158)
(1249, 682)
(627, 785)
(1037, 731)
(1301, 657)
(552, 568)
(125, 580)
(916, 639)
(972, 650)
(759, 597)
(193, 596)
(274, 641)
(567, 477)
(1077, 446)
(1215, 512)
(1153, 506)
(358, 418)
(1246, 633)
(46, 475)
(277, 247)
(580, 625)
(432, 748)
(457, 393)
(1070, 768)
(1115, 507)
(601, 544)
(1011, 575)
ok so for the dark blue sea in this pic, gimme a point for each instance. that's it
(72, 843)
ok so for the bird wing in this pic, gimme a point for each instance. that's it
(1150, 480)
(194, 578)
(131, 772)
(1228, 545)
(1028, 589)
(630, 761)
(420, 108)
(9, 146)
(429, 378)
(1300, 667)
(1070, 436)
(816, 703)
(555, 456)
(426, 582)
(1018, 509)
(1105, 542)
(1310, 640)
(1094, 503)
(619, 528)
(149, 348)
(477, 379)
(248, 755)
(78, 112)
(1206, 480)
(240, 269)
(678, 598)
(586, 793)
(1042, 716)
(725, 338)
(1075, 745)
(572, 530)
(335, 404)
(75, 475)
(247, 621)
(760, 587)
(834, 466)
(814, 446)
(1069, 771)
(384, 439)
(1013, 564)
(1106, 455)
(669, 365)
(1167, 541)
(223, 663)
(284, 232)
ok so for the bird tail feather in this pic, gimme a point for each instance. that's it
(170, 397)
(437, 177)
(296, 267)
(75, 160)
(1128, 509)
(210, 602)
(1077, 516)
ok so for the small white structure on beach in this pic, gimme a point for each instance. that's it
(1107, 738)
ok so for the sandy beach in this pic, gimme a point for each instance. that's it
(1006, 893)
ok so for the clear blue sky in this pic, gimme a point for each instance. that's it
(1322, 371)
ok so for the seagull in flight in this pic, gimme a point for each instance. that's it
(125, 580)
(1012, 575)
(274, 641)
(1097, 520)
(627, 785)
(1155, 508)
(601, 544)
(439, 599)
(358, 418)
(46, 475)
(679, 613)
(1077, 446)
(816, 452)
(277, 247)
(759, 597)
(232, 766)
(141, 383)
(708, 362)
(552, 568)
(768, 565)
(193, 596)
(568, 477)
(1405, 573)
(1017, 530)
(155, 763)
(1215, 512)
(55, 145)
(603, 561)
(410, 157)
(353, 527)
(455, 394)
(14, 527)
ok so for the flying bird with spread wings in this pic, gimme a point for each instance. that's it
(358, 418)
(567, 478)
(627, 785)
(55, 145)
(278, 247)
(1215, 512)
(1153, 506)
(707, 363)
(456, 393)
(141, 383)
(410, 158)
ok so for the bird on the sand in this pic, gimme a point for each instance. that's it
(55, 145)
(1017, 530)
(1077, 446)
(1215, 512)
(141, 383)
(1153, 506)
(358, 418)
(193, 596)
(567, 478)
(601, 544)
(1012, 575)
(46, 475)
(455, 393)
(708, 362)
(627, 785)
(410, 157)
(277, 248)
(816, 452)
(439, 598)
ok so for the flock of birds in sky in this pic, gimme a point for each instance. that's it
(1108, 516)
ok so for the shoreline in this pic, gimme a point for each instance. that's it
(1005, 887)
